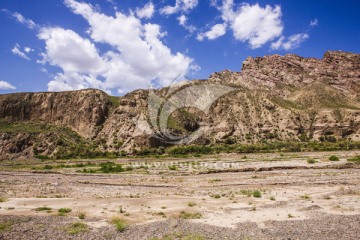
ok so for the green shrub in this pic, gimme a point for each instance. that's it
(81, 215)
(44, 208)
(333, 158)
(64, 210)
(256, 194)
(48, 167)
(311, 161)
(110, 167)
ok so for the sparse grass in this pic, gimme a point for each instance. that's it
(81, 215)
(333, 158)
(76, 228)
(41, 196)
(354, 159)
(305, 197)
(41, 209)
(272, 198)
(173, 168)
(215, 180)
(290, 215)
(161, 214)
(216, 196)
(3, 199)
(191, 204)
(246, 192)
(119, 223)
(256, 194)
(64, 210)
(180, 236)
(5, 226)
(186, 215)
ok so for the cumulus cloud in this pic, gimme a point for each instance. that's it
(289, 43)
(216, 31)
(16, 50)
(138, 57)
(146, 12)
(6, 86)
(66, 49)
(253, 23)
(180, 5)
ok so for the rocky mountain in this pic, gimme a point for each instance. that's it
(273, 98)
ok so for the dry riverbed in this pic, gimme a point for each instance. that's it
(253, 196)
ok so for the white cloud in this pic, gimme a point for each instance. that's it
(183, 22)
(16, 50)
(314, 22)
(138, 57)
(66, 49)
(252, 23)
(291, 42)
(216, 31)
(6, 86)
(21, 19)
(180, 5)
(73, 80)
(28, 49)
(146, 12)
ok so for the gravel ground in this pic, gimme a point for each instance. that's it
(49, 227)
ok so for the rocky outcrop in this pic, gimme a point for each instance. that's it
(277, 98)
(84, 111)
(336, 68)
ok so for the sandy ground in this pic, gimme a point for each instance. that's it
(298, 200)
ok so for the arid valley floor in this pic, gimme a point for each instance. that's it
(227, 196)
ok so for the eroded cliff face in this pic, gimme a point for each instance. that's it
(277, 98)
(83, 111)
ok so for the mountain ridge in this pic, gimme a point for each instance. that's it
(278, 98)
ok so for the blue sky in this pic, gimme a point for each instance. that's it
(119, 46)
